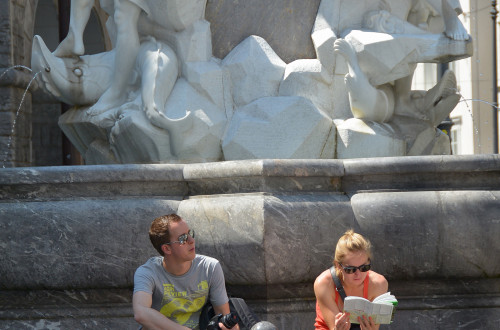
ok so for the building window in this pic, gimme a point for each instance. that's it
(455, 136)
(425, 76)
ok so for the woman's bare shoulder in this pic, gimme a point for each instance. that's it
(378, 283)
(377, 278)
(323, 279)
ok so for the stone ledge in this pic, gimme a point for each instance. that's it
(112, 308)
(265, 168)
(422, 164)
(273, 225)
(478, 172)
(91, 174)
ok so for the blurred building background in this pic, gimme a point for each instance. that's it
(473, 127)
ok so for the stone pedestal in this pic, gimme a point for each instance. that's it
(72, 237)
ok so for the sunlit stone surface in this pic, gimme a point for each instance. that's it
(72, 237)
(366, 52)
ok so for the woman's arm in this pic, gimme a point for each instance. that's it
(325, 291)
(378, 285)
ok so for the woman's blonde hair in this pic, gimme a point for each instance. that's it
(351, 242)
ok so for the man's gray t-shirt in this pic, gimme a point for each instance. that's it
(181, 298)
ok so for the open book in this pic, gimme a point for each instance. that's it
(381, 309)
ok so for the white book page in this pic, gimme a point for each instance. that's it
(385, 297)
(356, 306)
(381, 313)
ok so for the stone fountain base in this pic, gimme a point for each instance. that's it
(72, 237)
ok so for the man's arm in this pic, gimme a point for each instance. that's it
(150, 318)
(224, 309)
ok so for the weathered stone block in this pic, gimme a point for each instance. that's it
(255, 70)
(206, 78)
(199, 141)
(80, 129)
(374, 139)
(311, 80)
(279, 127)
(194, 44)
(272, 223)
(70, 246)
(285, 24)
(135, 140)
(176, 14)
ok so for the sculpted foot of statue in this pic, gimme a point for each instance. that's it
(70, 46)
(444, 88)
(367, 102)
(454, 29)
(431, 106)
(440, 100)
(73, 43)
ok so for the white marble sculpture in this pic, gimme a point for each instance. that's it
(160, 96)
(379, 75)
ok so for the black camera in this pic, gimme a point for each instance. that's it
(228, 320)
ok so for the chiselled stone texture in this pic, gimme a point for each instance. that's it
(5, 40)
(263, 129)
(15, 47)
(22, 30)
(284, 24)
(255, 70)
(72, 237)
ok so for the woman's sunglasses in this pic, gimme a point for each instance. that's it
(352, 269)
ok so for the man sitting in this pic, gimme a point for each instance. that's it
(170, 290)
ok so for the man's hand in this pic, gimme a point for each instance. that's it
(236, 327)
(224, 310)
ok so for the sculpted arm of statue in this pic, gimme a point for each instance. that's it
(79, 16)
(148, 317)
(367, 102)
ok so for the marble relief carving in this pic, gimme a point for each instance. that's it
(160, 95)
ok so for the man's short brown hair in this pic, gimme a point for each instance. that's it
(159, 232)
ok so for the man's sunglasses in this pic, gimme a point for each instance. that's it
(352, 269)
(183, 238)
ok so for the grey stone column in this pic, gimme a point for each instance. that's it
(16, 32)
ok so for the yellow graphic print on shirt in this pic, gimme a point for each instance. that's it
(179, 306)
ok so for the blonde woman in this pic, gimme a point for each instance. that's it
(352, 264)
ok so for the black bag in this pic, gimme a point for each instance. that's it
(341, 291)
(247, 318)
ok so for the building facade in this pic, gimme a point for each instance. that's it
(473, 127)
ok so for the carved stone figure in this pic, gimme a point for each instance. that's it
(160, 96)
(371, 97)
